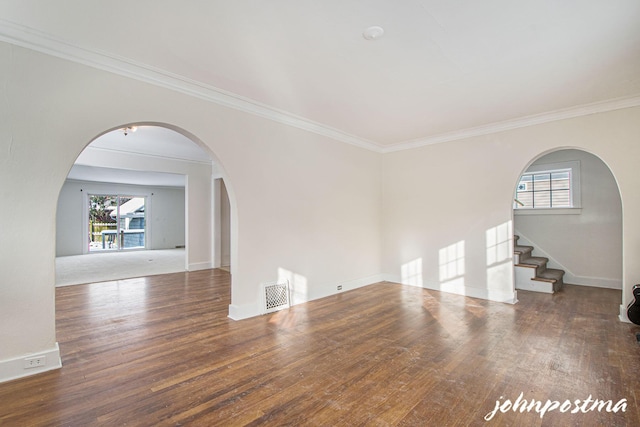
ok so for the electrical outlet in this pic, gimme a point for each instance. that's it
(35, 362)
(339, 287)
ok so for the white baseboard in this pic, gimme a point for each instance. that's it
(12, 369)
(509, 297)
(594, 282)
(239, 312)
(196, 266)
(359, 283)
(623, 314)
(348, 285)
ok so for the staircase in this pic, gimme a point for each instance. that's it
(532, 273)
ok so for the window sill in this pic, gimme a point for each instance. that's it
(552, 211)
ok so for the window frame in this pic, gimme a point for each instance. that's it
(90, 190)
(574, 189)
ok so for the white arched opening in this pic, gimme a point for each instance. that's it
(582, 235)
(183, 204)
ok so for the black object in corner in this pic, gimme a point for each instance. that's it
(633, 309)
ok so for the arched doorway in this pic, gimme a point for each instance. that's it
(568, 207)
(170, 176)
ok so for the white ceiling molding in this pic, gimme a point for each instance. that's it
(97, 150)
(567, 113)
(33, 39)
(36, 40)
(126, 177)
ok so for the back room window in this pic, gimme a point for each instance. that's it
(549, 187)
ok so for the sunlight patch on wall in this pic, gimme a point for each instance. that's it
(412, 273)
(297, 285)
(499, 256)
(499, 243)
(451, 261)
(452, 267)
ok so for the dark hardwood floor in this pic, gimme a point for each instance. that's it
(161, 351)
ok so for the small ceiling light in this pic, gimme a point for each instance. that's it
(128, 129)
(373, 33)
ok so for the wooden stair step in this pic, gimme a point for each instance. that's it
(551, 274)
(542, 273)
(520, 250)
(536, 261)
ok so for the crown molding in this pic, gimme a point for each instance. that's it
(33, 39)
(551, 116)
(30, 38)
(89, 149)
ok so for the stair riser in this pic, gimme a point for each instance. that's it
(524, 278)
(537, 267)
(535, 286)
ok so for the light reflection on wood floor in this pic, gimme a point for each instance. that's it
(161, 350)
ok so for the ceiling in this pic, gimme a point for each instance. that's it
(81, 172)
(154, 141)
(151, 141)
(443, 69)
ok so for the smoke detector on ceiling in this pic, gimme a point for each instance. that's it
(373, 33)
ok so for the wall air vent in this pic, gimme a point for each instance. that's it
(276, 296)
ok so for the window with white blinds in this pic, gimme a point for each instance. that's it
(549, 187)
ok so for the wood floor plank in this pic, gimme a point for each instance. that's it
(161, 350)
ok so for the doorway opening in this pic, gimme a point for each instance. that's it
(143, 200)
(568, 208)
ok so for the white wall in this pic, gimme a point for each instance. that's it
(443, 205)
(221, 242)
(301, 204)
(165, 211)
(588, 245)
(225, 226)
(198, 194)
(439, 195)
